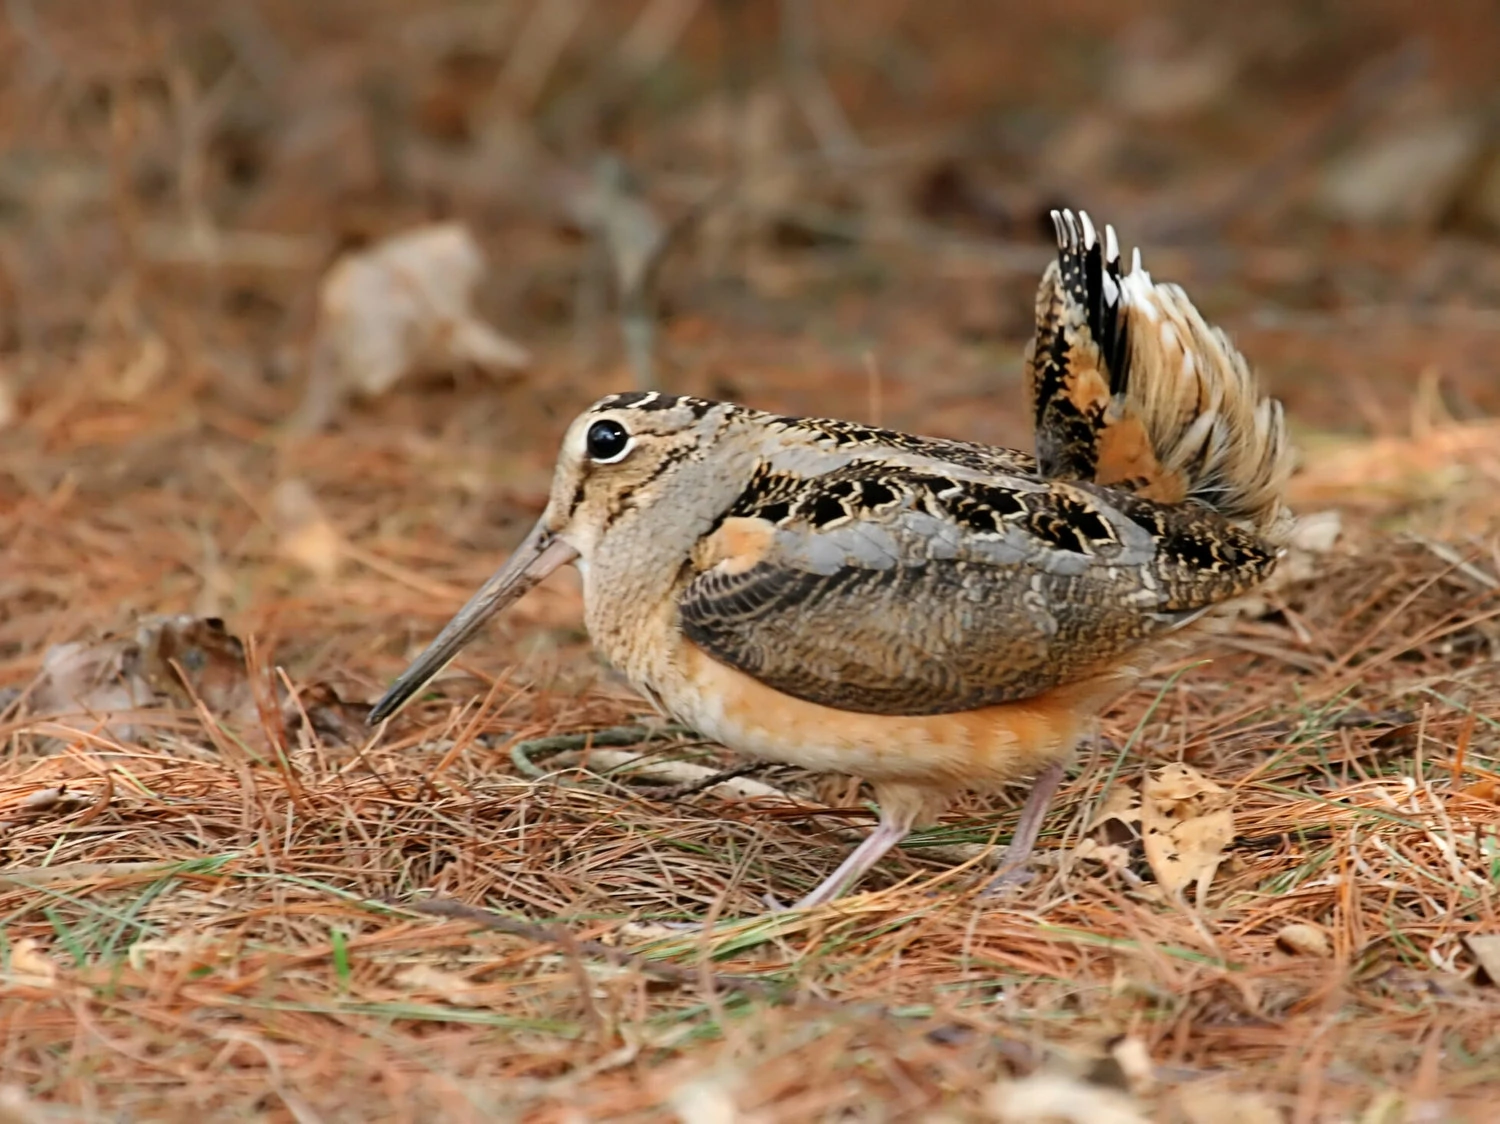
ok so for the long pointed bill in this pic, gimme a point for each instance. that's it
(532, 561)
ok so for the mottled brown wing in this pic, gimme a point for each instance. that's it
(949, 595)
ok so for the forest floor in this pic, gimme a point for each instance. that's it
(237, 902)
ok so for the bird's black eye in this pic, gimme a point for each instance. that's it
(607, 441)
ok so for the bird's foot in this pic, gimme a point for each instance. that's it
(1007, 880)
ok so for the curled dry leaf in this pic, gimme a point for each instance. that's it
(1483, 789)
(447, 986)
(172, 662)
(168, 661)
(1486, 950)
(1195, 1104)
(401, 307)
(8, 409)
(52, 801)
(186, 944)
(1186, 824)
(330, 716)
(303, 533)
(1047, 1098)
(705, 1100)
(1304, 939)
(29, 966)
(1114, 836)
(98, 680)
(44, 799)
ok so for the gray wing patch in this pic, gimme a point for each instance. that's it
(902, 593)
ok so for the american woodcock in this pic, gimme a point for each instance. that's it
(929, 615)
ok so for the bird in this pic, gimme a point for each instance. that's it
(932, 616)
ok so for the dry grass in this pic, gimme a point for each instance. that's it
(228, 913)
(236, 908)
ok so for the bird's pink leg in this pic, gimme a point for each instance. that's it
(885, 836)
(1012, 869)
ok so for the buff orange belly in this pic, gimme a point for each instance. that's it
(975, 749)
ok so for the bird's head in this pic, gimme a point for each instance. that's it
(618, 458)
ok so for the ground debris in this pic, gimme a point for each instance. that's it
(303, 533)
(123, 687)
(1049, 1098)
(1176, 818)
(1304, 939)
(403, 306)
(1186, 823)
(248, 924)
(27, 965)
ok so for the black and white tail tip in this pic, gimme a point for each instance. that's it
(1076, 233)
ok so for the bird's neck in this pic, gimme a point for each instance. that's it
(638, 566)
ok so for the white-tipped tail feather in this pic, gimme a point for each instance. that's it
(1200, 402)
(1132, 388)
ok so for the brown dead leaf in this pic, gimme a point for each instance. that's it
(303, 533)
(1114, 836)
(1196, 1104)
(29, 966)
(177, 663)
(447, 986)
(186, 944)
(1111, 855)
(57, 800)
(1049, 1098)
(1486, 950)
(97, 680)
(1119, 817)
(1304, 939)
(403, 306)
(8, 409)
(1483, 789)
(1186, 824)
(169, 662)
(43, 800)
(329, 715)
(185, 658)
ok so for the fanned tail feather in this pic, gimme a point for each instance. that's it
(1131, 388)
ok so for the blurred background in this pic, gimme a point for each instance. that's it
(319, 283)
(296, 300)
